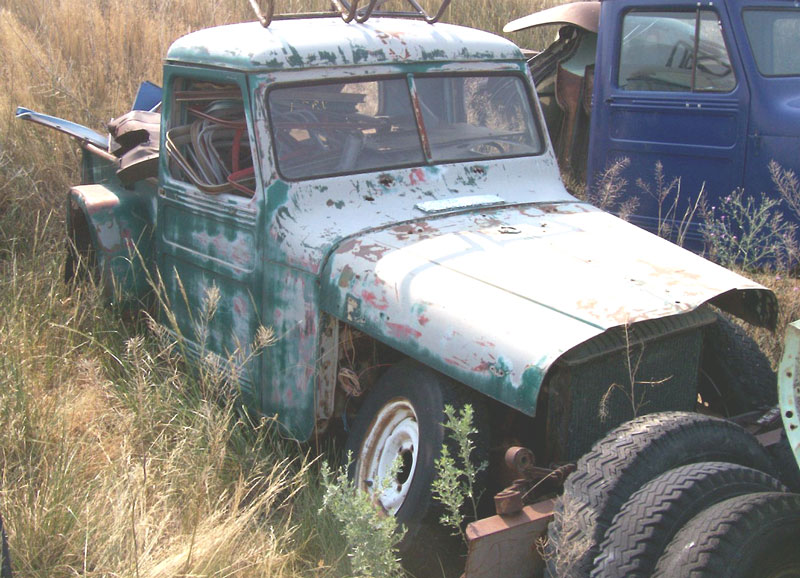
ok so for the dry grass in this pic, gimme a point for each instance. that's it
(112, 463)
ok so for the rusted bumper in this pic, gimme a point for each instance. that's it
(507, 545)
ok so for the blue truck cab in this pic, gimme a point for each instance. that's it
(710, 90)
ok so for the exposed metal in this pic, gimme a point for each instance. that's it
(585, 15)
(507, 545)
(393, 438)
(79, 132)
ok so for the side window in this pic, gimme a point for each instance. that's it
(774, 36)
(207, 140)
(674, 51)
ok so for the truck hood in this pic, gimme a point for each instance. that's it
(495, 298)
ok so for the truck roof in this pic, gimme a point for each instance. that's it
(324, 42)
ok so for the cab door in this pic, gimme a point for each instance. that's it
(208, 212)
(671, 94)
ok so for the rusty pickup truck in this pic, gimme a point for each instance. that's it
(380, 190)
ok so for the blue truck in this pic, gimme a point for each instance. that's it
(710, 90)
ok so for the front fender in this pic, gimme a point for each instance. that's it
(112, 226)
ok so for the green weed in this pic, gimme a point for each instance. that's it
(454, 486)
(372, 535)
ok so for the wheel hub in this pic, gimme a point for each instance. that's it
(388, 455)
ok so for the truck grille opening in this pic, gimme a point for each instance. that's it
(627, 371)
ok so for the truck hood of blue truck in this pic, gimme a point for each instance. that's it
(494, 298)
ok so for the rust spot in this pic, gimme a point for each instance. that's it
(369, 252)
(482, 366)
(346, 277)
(422, 229)
(347, 246)
(417, 176)
(423, 135)
(379, 303)
(386, 180)
(238, 306)
(456, 361)
(401, 331)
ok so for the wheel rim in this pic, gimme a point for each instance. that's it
(393, 435)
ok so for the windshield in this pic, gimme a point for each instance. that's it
(350, 127)
(774, 37)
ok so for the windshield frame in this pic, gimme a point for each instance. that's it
(527, 101)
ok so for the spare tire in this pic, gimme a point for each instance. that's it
(752, 535)
(653, 515)
(735, 375)
(622, 462)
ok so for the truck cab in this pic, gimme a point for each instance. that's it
(707, 89)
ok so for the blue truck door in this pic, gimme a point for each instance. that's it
(768, 34)
(669, 89)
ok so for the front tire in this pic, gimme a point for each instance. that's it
(402, 419)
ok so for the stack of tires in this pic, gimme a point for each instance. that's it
(676, 494)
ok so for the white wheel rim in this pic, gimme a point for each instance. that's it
(393, 435)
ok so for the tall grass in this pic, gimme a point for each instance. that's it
(114, 460)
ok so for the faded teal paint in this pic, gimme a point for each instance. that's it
(327, 57)
(296, 44)
(121, 233)
(291, 300)
(436, 54)
(294, 58)
(277, 195)
(361, 54)
(532, 379)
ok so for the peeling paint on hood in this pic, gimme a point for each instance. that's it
(495, 303)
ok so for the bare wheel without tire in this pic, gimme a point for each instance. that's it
(401, 420)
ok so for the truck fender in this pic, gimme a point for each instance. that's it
(110, 230)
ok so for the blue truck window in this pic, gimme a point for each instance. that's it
(774, 37)
(675, 52)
